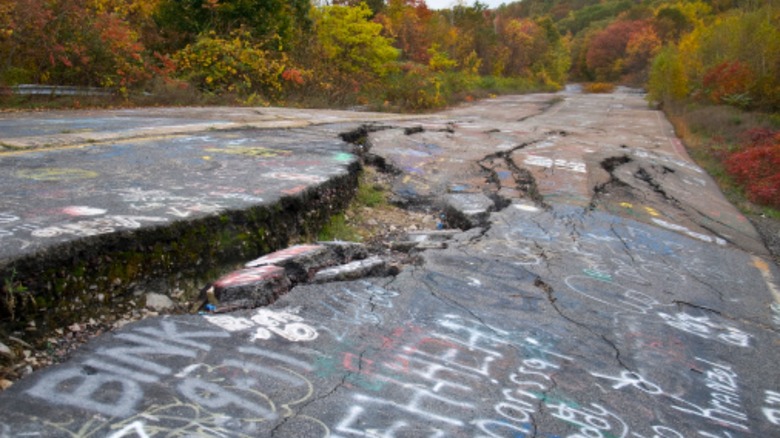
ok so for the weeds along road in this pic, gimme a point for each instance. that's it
(601, 286)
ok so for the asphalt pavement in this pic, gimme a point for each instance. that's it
(601, 286)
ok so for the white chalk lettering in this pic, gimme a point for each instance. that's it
(703, 327)
(95, 227)
(109, 382)
(420, 404)
(723, 407)
(712, 435)
(134, 429)
(266, 323)
(214, 396)
(592, 423)
(476, 339)
(501, 429)
(346, 425)
(628, 378)
(104, 393)
(772, 398)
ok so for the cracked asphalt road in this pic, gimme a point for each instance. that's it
(610, 292)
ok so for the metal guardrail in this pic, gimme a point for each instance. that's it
(56, 90)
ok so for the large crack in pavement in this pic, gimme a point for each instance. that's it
(504, 175)
(643, 175)
(610, 165)
(550, 293)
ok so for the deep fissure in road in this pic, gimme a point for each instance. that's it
(610, 165)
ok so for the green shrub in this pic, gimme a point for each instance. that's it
(231, 65)
(414, 87)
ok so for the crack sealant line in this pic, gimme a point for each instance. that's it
(390, 281)
(536, 244)
(526, 182)
(643, 175)
(540, 406)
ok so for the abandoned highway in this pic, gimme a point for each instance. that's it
(589, 280)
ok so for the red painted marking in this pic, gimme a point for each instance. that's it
(249, 276)
(284, 255)
(363, 366)
(437, 345)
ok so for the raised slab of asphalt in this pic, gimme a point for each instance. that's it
(98, 204)
(606, 289)
(71, 175)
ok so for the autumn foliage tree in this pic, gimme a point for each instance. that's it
(233, 64)
(667, 82)
(347, 51)
(407, 23)
(727, 81)
(76, 42)
(524, 42)
(182, 21)
(732, 58)
(623, 47)
(721, 51)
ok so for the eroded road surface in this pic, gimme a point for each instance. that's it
(602, 287)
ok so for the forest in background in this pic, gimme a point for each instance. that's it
(349, 52)
(714, 65)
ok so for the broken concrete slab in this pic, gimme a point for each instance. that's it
(432, 235)
(283, 256)
(403, 246)
(300, 262)
(431, 245)
(372, 266)
(346, 251)
(467, 210)
(268, 277)
(25, 130)
(425, 239)
(251, 287)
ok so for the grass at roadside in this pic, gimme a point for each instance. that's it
(372, 218)
(712, 134)
(370, 195)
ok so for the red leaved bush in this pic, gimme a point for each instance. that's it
(757, 166)
(727, 79)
